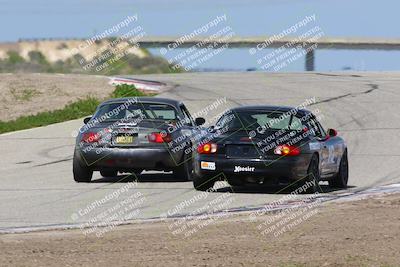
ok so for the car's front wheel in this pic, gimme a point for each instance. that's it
(82, 174)
(184, 171)
(312, 179)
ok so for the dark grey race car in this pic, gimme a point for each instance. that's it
(136, 134)
(270, 145)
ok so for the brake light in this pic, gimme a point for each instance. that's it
(287, 150)
(207, 148)
(159, 138)
(90, 137)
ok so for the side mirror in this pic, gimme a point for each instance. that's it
(199, 121)
(86, 120)
(332, 132)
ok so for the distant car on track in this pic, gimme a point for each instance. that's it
(136, 134)
(271, 145)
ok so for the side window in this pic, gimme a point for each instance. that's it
(187, 117)
(295, 123)
(321, 129)
(313, 126)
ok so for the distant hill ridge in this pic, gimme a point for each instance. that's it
(55, 50)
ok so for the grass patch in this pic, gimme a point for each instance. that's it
(72, 111)
(125, 90)
(24, 94)
(75, 110)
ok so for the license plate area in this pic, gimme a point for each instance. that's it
(242, 151)
(125, 139)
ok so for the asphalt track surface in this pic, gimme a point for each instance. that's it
(37, 189)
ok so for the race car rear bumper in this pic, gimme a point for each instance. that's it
(273, 170)
(128, 158)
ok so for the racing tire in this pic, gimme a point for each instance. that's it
(342, 177)
(202, 183)
(313, 176)
(108, 173)
(184, 172)
(81, 174)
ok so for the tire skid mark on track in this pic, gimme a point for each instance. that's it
(52, 162)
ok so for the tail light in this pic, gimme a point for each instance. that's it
(207, 148)
(287, 150)
(159, 138)
(90, 137)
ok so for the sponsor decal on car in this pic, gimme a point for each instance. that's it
(207, 165)
(314, 146)
(244, 169)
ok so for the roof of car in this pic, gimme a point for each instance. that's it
(168, 101)
(269, 108)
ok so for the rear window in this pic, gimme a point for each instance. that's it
(251, 120)
(150, 111)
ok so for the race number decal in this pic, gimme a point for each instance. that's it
(331, 155)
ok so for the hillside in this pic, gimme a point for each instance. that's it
(105, 57)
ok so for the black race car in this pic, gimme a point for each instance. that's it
(270, 145)
(136, 134)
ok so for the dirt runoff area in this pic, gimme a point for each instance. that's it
(358, 233)
(28, 94)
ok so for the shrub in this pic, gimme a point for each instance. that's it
(125, 90)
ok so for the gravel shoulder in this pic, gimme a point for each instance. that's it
(28, 94)
(358, 233)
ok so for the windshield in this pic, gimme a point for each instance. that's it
(251, 120)
(149, 111)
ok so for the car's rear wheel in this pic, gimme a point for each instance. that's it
(203, 183)
(342, 177)
(108, 173)
(184, 171)
(82, 174)
(313, 175)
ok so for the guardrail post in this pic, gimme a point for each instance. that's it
(310, 60)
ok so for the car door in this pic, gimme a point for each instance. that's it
(189, 128)
(336, 147)
(319, 137)
(332, 150)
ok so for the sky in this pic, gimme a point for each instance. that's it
(22, 19)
